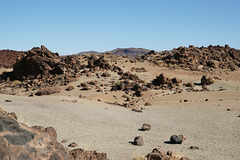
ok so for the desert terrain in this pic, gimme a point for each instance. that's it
(101, 102)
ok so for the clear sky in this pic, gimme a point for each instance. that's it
(71, 26)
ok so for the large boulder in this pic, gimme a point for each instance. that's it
(38, 61)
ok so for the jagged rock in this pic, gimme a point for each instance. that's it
(38, 61)
(138, 141)
(147, 104)
(47, 91)
(184, 158)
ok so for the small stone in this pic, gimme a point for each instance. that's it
(64, 140)
(147, 104)
(138, 141)
(73, 144)
(194, 147)
(206, 99)
(228, 109)
(7, 100)
(184, 158)
(185, 100)
(177, 139)
(146, 127)
(137, 110)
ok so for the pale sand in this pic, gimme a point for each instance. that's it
(107, 128)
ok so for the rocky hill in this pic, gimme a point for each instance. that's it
(9, 57)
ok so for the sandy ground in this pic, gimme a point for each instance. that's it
(107, 128)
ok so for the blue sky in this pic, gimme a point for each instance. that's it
(71, 26)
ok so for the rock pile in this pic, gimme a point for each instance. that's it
(17, 141)
(163, 82)
(195, 58)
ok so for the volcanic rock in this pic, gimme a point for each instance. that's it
(177, 139)
(138, 141)
(38, 61)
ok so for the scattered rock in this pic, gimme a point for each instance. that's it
(228, 109)
(206, 81)
(184, 158)
(194, 147)
(7, 100)
(69, 88)
(138, 141)
(177, 139)
(146, 127)
(137, 110)
(73, 144)
(147, 104)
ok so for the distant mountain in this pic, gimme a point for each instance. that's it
(134, 52)
(88, 52)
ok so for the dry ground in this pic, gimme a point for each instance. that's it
(108, 128)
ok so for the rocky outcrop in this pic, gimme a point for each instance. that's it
(17, 141)
(39, 61)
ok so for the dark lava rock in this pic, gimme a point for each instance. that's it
(177, 139)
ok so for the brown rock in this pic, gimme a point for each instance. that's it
(47, 91)
(194, 147)
(39, 61)
(184, 158)
(147, 104)
(138, 141)
(69, 88)
(146, 127)
(73, 144)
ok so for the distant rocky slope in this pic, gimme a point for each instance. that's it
(196, 58)
(18, 141)
(9, 57)
(133, 52)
